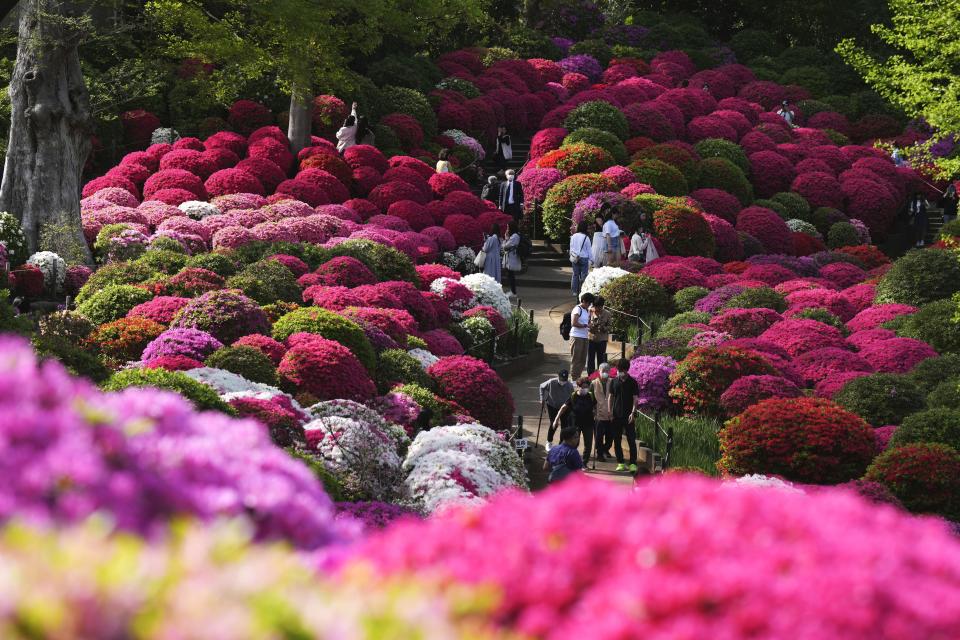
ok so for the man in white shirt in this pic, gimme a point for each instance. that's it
(511, 196)
(580, 335)
(611, 234)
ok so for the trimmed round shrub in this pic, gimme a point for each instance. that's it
(920, 277)
(756, 298)
(749, 390)
(636, 295)
(702, 377)
(685, 298)
(112, 302)
(325, 370)
(881, 398)
(226, 315)
(767, 227)
(396, 366)
(665, 179)
(933, 323)
(809, 440)
(683, 231)
(267, 282)
(203, 397)
(945, 395)
(925, 477)
(818, 364)
(563, 196)
(717, 148)
(842, 234)
(472, 384)
(938, 426)
(800, 336)
(123, 340)
(328, 325)
(897, 355)
(599, 138)
(576, 158)
(600, 115)
(819, 189)
(249, 362)
(771, 173)
(720, 173)
(931, 372)
(745, 323)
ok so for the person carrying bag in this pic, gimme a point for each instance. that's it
(580, 251)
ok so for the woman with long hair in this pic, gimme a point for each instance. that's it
(511, 255)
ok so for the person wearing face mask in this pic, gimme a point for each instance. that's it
(600, 388)
(553, 394)
(581, 405)
(511, 196)
(622, 405)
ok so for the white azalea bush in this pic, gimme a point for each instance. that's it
(460, 464)
(489, 292)
(424, 357)
(460, 259)
(54, 269)
(597, 278)
(199, 210)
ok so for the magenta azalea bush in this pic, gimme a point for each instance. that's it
(652, 374)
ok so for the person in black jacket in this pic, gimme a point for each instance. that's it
(949, 204)
(491, 190)
(504, 150)
(511, 196)
(582, 405)
(918, 212)
(623, 399)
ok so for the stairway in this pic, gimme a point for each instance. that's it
(547, 267)
(521, 149)
(934, 224)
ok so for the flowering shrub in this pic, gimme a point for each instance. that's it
(652, 374)
(226, 315)
(124, 339)
(665, 179)
(800, 336)
(925, 477)
(564, 195)
(191, 343)
(920, 277)
(745, 323)
(874, 317)
(161, 309)
(471, 383)
(314, 320)
(487, 293)
(325, 369)
(576, 158)
(818, 364)
(767, 227)
(633, 293)
(683, 231)
(802, 439)
(749, 390)
(897, 355)
(702, 377)
(674, 276)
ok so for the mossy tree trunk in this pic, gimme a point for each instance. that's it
(51, 124)
(300, 122)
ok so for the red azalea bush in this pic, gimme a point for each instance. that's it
(267, 172)
(767, 227)
(823, 298)
(465, 230)
(444, 184)
(406, 128)
(701, 378)
(265, 344)
(808, 440)
(472, 384)
(491, 314)
(546, 140)
(246, 116)
(673, 276)
(749, 390)
(344, 271)
(870, 256)
(818, 364)
(162, 309)
(871, 203)
(861, 339)
(174, 179)
(303, 191)
(296, 266)
(925, 477)
(683, 231)
(226, 315)
(123, 340)
(227, 181)
(576, 158)
(843, 274)
(800, 336)
(718, 202)
(819, 189)
(335, 190)
(745, 323)
(441, 343)
(173, 363)
(897, 355)
(396, 323)
(874, 317)
(725, 238)
(831, 385)
(771, 274)
(138, 125)
(325, 369)
(770, 173)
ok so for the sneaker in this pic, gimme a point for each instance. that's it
(621, 467)
(633, 468)
(549, 446)
(601, 457)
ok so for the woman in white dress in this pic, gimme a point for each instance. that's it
(598, 245)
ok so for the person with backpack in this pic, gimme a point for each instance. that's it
(564, 459)
(580, 335)
(491, 190)
(582, 406)
(553, 393)
(511, 255)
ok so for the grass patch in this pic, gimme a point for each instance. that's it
(695, 442)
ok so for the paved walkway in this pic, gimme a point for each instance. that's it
(548, 305)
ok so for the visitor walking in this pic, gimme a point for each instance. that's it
(598, 244)
(579, 334)
(611, 235)
(949, 204)
(582, 406)
(918, 212)
(511, 196)
(504, 150)
(599, 334)
(347, 134)
(443, 161)
(580, 252)
(623, 397)
(564, 459)
(491, 251)
(553, 394)
(491, 190)
(642, 248)
(600, 387)
(511, 255)
(786, 113)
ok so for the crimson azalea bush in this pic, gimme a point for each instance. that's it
(702, 377)
(476, 387)
(897, 355)
(745, 323)
(767, 227)
(226, 315)
(800, 336)
(325, 369)
(802, 439)
(925, 477)
(749, 390)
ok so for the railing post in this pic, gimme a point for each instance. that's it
(516, 333)
(519, 434)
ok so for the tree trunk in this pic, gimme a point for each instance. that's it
(300, 122)
(531, 13)
(50, 127)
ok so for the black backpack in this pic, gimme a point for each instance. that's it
(565, 325)
(525, 248)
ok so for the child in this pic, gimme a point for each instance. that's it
(564, 459)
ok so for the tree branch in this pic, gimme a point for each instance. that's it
(6, 6)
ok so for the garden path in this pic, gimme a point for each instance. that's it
(548, 303)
